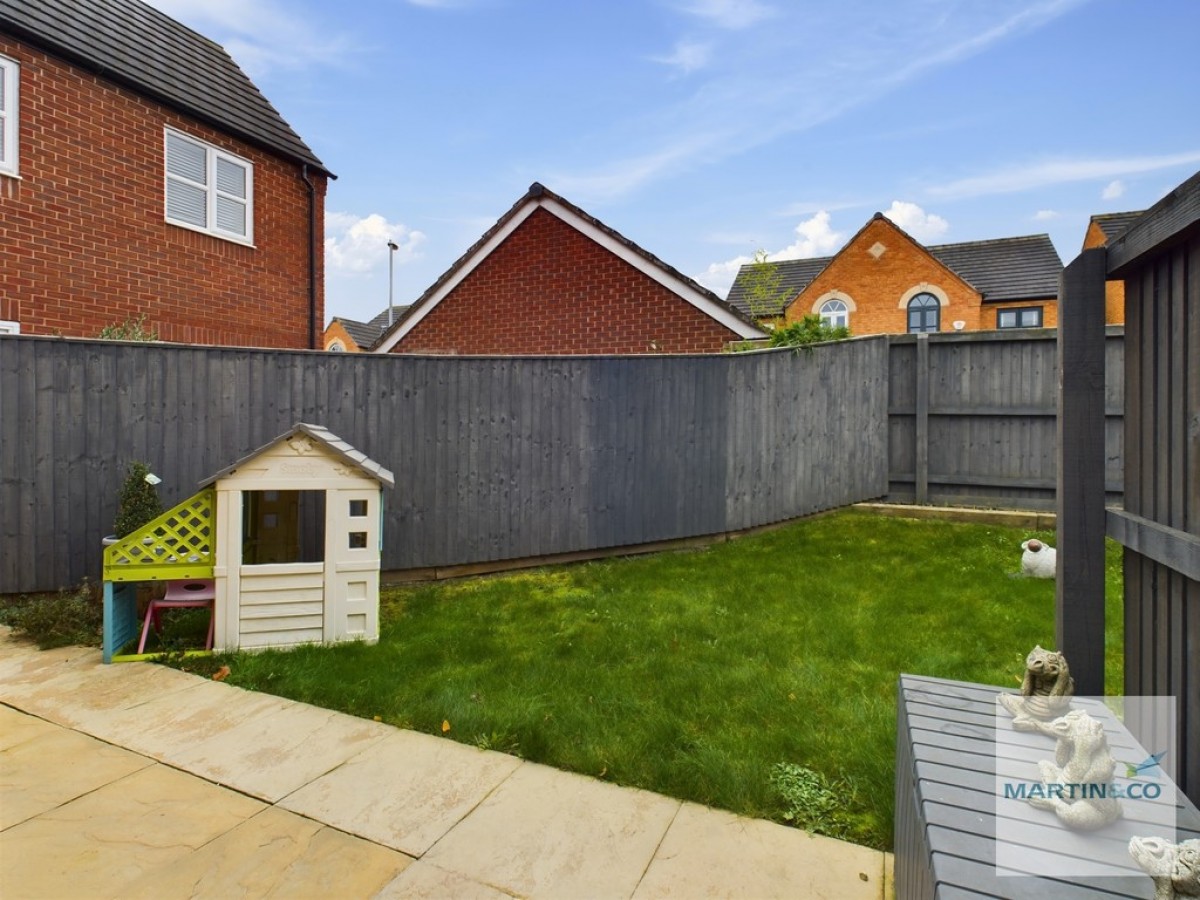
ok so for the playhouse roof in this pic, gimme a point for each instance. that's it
(331, 442)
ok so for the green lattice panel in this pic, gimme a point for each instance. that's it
(178, 544)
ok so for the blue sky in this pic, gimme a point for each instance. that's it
(704, 130)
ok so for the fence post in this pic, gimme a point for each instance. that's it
(922, 421)
(1079, 597)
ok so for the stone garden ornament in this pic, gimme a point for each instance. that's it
(1046, 690)
(1079, 780)
(1174, 868)
(1038, 560)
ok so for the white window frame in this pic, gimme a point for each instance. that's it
(211, 155)
(835, 318)
(10, 118)
(7, 327)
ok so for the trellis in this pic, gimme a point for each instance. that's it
(178, 544)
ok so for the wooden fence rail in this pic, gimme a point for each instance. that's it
(972, 418)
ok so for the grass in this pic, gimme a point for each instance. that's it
(757, 675)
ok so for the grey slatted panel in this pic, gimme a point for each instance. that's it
(553, 455)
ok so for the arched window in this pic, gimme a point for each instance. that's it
(835, 313)
(924, 313)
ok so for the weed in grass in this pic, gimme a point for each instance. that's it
(70, 617)
(814, 802)
(499, 741)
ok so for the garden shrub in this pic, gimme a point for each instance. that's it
(70, 617)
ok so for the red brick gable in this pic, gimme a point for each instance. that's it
(83, 238)
(550, 289)
(876, 283)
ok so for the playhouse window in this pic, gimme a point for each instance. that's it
(283, 527)
(358, 509)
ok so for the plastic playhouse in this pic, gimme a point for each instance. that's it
(283, 547)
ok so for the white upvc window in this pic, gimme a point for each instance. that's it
(7, 327)
(835, 313)
(208, 189)
(10, 78)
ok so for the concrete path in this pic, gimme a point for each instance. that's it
(137, 780)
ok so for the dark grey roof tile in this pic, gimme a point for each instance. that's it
(135, 45)
(1113, 224)
(1018, 268)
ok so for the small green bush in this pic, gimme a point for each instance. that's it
(130, 330)
(138, 501)
(68, 618)
(809, 330)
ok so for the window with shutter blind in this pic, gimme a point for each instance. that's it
(10, 73)
(208, 189)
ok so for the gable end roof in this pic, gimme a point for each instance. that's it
(134, 45)
(365, 334)
(540, 197)
(1017, 268)
(1114, 224)
(326, 438)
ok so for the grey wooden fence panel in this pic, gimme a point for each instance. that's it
(1160, 524)
(494, 458)
(991, 429)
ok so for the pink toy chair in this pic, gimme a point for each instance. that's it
(184, 594)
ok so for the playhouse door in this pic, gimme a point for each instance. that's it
(352, 561)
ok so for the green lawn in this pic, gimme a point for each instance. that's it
(696, 673)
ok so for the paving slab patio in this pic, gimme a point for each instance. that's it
(25, 791)
(137, 780)
(712, 853)
(275, 854)
(406, 791)
(97, 843)
(546, 833)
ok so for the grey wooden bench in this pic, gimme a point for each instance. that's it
(946, 802)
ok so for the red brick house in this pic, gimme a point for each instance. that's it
(344, 335)
(1102, 230)
(885, 282)
(143, 174)
(549, 279)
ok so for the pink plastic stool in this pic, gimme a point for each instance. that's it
(188, 593)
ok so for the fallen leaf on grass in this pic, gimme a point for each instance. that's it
(221, 674)
(445, 725)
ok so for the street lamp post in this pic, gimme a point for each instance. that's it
(392, 248)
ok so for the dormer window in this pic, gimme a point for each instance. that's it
(208, 189)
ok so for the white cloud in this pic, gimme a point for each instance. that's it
(731, 14)
(718, 277)
(1045, 215)
(758, 88)
(261, 35)
(1113, 189)
(814, 237)
(911, 218)
(687, 57)
(1014, 179)
(355, 245)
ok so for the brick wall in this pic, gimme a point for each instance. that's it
(548, 289)
(1114, 291)
(878, 283)
(84, 243)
